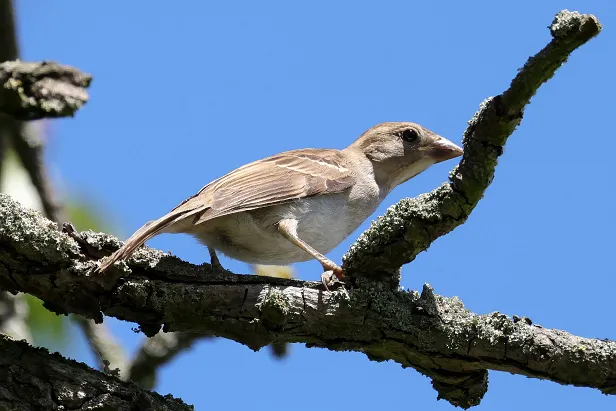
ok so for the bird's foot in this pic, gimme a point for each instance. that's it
(215, 262)
(216, 266)
(332, 276)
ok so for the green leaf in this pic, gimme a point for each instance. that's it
(85, 216)
(46, 327)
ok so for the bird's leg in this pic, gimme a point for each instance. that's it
(288, 228)
(214, 261)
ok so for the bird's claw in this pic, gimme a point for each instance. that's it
(331, 278)
(217, 267)
(215, 262)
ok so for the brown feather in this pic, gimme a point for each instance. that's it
(143, 234)
(274, 180)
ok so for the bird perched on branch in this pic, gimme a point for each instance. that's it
(300, 204)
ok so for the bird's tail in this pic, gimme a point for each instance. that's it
(149, 230)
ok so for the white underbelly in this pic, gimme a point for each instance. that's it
(253, 236)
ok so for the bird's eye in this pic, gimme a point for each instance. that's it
(410, 135)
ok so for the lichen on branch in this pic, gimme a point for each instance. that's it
(32, 378)
(31, 91)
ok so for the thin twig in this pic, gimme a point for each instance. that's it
(157, 351)
(32, 91)
(109, 353)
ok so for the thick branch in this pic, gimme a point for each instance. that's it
(433, 334)
(32, 91)
(410, 226)
(31, 378)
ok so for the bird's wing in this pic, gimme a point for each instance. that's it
(275, 180)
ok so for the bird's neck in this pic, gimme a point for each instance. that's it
(367, 173)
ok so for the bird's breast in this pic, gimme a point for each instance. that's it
(323, 222)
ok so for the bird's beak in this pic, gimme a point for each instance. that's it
(442, 149)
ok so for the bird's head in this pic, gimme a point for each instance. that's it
(401, 150)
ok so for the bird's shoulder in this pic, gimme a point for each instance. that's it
(278, 179)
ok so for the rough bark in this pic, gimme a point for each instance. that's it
(32, 91)
(32, 378)
(433, 334)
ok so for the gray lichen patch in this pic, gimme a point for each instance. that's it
(143, 257)
(564, 22)
(100, 240)
(477, 117)
(147, 257)
(31, 234)
(390, 226)
(274, 307)
(42, 89)
(340, 296)
(396, 308)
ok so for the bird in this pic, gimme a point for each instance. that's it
(298, 205)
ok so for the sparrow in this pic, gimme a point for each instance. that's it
(300, 204)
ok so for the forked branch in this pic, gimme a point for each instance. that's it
(433, 334)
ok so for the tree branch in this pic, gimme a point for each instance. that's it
(8, 51)
(109, 353)
(31, 378)
(433, 334)
(157, 351)
(410, 226)
(31, 91)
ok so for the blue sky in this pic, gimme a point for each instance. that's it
(184, 92)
